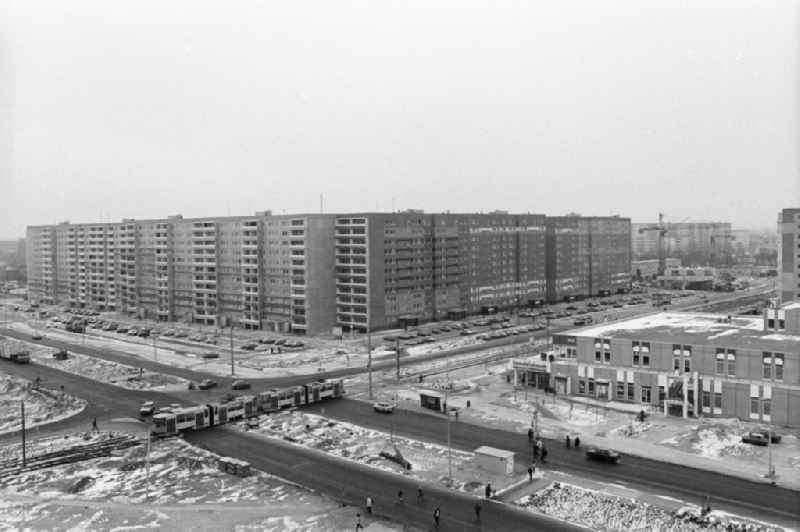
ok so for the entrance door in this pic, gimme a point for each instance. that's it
(561, 385)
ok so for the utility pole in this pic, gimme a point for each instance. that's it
(232, 370)
(535, 427)
(147, 461)
(22, 409)
(397, 356)
(369, 359)
(155, 350)
(449, 447)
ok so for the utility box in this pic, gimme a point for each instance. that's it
(497, 461)
(432, 400)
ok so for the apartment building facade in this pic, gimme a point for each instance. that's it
(309, 273)
(789, 254)
(587, 256)
(694, 243)
(689, 365)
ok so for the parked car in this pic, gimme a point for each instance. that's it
(181, 334)
(383, 407)
(122, 330)
(389, 338)
(773, 436)
(36, 336)
(210, 355)
(144, 332)
(61, 354)
(249, 347)
(281, 341)
(133, 331)
(602, 455)
(466, 332)
(240, 385)
(169, 332)
(755, 438)
(206, 384)
(197, 338)
(210, 340)
(147, 409)
(579, 322)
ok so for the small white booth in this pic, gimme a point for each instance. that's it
(495, 460)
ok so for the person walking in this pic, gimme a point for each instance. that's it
(567, 441)
(369, 505)
(478, 511)
(544, 454)
(577, 442)
(488, 490)
(530, 434)
(94, 425)
(359, 526)
(437, 514)
(419, 495)
(530, 472)
(400, 496)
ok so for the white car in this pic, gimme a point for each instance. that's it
(383, 407)
(147, 408)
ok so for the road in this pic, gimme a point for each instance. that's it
(760, 499)
(352, 483)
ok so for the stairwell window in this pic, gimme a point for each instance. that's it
(731, 363)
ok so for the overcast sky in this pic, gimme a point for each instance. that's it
(115, 109)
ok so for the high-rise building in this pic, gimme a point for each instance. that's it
(789, 254)
(308, 273)
(694, 243)
(587, 256)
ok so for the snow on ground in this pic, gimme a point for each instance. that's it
(104, 370)
(41, 405)
(429, 462)
(610, 513)
(186, 491)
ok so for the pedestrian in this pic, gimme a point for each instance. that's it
(488, 490)
(437, 513)
(359, 526)
(468, 403)
(530, 473)
(456, 415)
(567, 440)
(369, 505)
(94, 425)
(530, 434)
(400, 496)
(478, 511)
(419, 494)
(577, 442)
(544, 454)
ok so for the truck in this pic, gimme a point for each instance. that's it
(18, 356)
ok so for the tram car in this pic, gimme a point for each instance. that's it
(170, 422)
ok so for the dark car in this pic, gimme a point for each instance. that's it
(755, 438)
(210, 355)
(122, 330)
(144, 333)
(282, 341)
(249, 347)
(602, 455)
(240, 385)
(206, 384)
(773, 436)
(579, 321)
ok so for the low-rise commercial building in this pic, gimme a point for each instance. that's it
(686, 364)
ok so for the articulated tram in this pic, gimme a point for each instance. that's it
(171, 421)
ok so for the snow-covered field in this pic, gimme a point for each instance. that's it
(610, 513)
(104, 370)
(41, 405)
(186, 492)
(429, 462)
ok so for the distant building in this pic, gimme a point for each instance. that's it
(694, 243)
(680, 278)
(648, 269)
(789, 254)
(686, 364)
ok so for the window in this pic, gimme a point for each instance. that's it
(630, 391)
(754, 406)
(581, 386)
(662, 395)
(718, 400)
(766, 406)
(781, 325)
(706, 399)
(591, 386)
(720, 369)
(778, 362)
(635, 358)
(731, 363)
(676, 363)
(620, 390)
(770, 323)
(646, 397)
(646, 361)
(766, 365)
(687, 365)
(607, 357)
(597, 356)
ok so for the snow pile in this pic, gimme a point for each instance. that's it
(605, 512)
(41, 405)
(716, 443)
(631, 430)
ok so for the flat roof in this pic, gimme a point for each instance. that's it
(493, 451)
(695, 329)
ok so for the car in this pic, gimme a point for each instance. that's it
(617, 305)
(210, 340)
(466, 332)
(249, 347)
(197, 338)
(383, 407)
(405, 336)
(445, 329)
(240, 385)
(147, 409)
(755, 438)
(572, 307)
(122, 330)
(389, 338)
(602, 455)
(427, 340)
(579, 322)
(423, 333)
(206, 384)
(36, 336)
(773, 436)
(61, 354)
(294, 343)
(133, 331)
(210, 355)
(181, 334)
(144, 332)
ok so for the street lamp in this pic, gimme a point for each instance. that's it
(149, 429)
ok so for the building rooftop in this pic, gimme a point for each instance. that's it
(696, 329)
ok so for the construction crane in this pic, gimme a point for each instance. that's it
(661, 230)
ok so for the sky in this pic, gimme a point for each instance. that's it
(145, 109)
